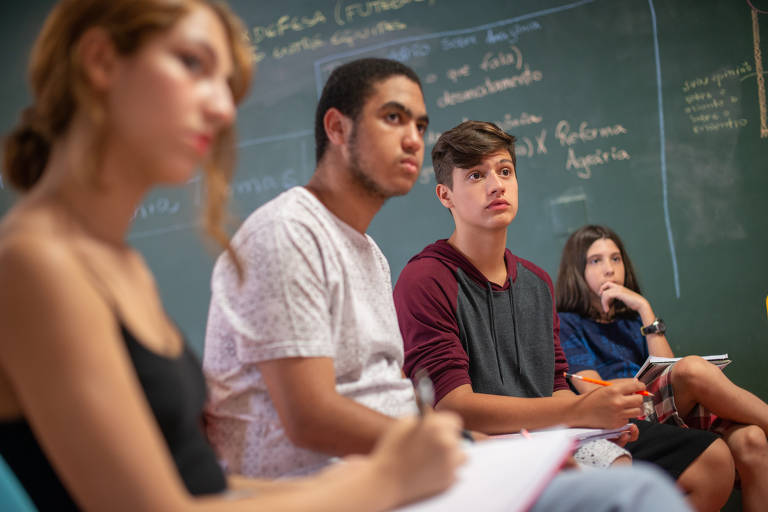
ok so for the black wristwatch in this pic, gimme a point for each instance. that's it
(657, 327)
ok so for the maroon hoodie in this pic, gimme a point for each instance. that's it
(463, 329)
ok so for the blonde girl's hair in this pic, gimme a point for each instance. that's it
(60, 88)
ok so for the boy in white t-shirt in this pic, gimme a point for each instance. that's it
(303, 356)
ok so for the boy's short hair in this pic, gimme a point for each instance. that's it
(466, 145)
(349, 87)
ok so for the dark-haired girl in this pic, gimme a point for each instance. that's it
(608, 329)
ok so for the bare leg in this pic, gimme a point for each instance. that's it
(750, 453)
(697, 381)
(708, 481)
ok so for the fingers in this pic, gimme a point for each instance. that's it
(622, 440)
(605, 301)
(620, 401)
(421, 454)
(627, 436)
(634, 432)
(628, 386)
(609, 291)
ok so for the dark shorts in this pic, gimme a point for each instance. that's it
(671, 448)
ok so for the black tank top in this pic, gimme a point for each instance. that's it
(175, 390)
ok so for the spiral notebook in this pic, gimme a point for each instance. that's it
(655, 365)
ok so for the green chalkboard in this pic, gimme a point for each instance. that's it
(644, 115)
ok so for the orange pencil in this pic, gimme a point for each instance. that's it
(600, 382)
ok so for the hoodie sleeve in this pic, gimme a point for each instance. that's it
(425, 299)
(561, 363)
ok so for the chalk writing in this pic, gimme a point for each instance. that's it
(531, 147)
(511, 34)
(407, 52)
(454, 74)
(350, 37)
(157, 207)
(524, 119)
(717, 77)
(426, 174)
(284, 24)
(431, 137)
(305, 43)
(713, 102)
(496, 60)
(585, 133)
(264, 184)
(451, 43)
(714, 123)
(344, 14)
(583, 164)
(525, 78)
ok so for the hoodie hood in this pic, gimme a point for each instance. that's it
(445, 253)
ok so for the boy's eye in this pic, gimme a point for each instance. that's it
(393, 117)
(422, 127)
(474, 176)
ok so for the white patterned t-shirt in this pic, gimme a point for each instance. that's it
(313, 287)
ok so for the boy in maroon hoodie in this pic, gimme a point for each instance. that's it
(482, 322)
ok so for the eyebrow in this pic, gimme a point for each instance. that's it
(202, 43)
(502, 161)
(396, 105)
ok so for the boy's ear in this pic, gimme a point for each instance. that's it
(337, 126)
(445, 195)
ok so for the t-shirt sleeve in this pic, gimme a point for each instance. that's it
(281, 308)
(425, 300)
(575, 344)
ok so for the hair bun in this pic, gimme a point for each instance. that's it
(26, 153)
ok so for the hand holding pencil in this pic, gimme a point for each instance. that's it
(609, 405)
(599, 382)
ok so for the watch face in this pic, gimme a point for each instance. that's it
(657, 327)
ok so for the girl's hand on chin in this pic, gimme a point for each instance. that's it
(610, 291)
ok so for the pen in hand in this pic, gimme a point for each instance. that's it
(599, 382)
(425, 397)
(425, 391)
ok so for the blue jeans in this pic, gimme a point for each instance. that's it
(637, 488)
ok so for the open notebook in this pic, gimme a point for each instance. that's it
(579, 435)
(654, 365)
(502, 475)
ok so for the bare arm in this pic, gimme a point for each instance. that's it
(585, 387)
(63, 355)
(607, 407)
(657, 343)
(414, 459)
(314, 415)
